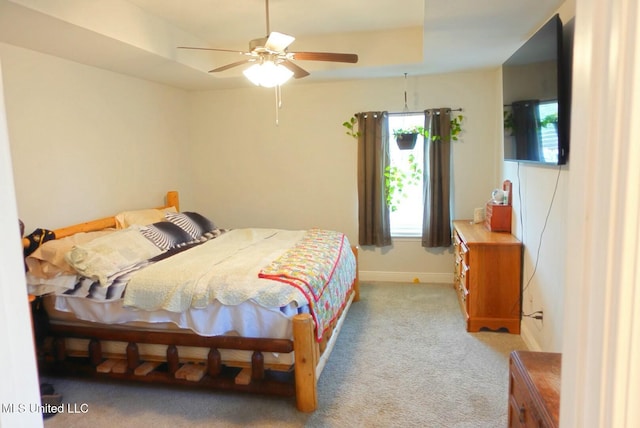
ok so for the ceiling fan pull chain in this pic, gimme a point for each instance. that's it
(278, 104)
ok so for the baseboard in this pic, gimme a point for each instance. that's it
(528, 338)
(426, 277)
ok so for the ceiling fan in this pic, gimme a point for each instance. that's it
(272, 62)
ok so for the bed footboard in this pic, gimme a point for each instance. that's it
(299, 380)
(211, 374)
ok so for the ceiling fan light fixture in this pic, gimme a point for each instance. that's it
(268, 74)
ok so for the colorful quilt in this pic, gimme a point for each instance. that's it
(322, 266)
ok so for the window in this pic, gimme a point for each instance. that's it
(548, 112)
(406, 214)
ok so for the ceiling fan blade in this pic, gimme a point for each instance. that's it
(233, 64)
(278, 42)
(298, 72)
(214, 49)
(324, 56)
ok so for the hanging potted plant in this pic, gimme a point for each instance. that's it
(407, 137)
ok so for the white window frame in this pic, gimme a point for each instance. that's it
(401, 223)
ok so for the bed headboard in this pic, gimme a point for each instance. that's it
(172, 200)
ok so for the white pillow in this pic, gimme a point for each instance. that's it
(141, 217)
(48, 260)
(105, 256)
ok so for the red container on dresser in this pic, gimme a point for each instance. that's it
(497, 218)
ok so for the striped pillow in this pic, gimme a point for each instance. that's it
(193, 223)
(166, 235)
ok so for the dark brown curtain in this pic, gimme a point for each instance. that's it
(526, 129)
(436, 217)
(373, 158)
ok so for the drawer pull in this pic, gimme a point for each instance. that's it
(521, 414)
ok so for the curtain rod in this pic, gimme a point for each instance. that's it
(421, 112)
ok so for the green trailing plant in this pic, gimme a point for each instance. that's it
(456, 127)
(352, 126)
(507, 121)
(550, 119)
(411, 130)
(455, 124)
(396, 179)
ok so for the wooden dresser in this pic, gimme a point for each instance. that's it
(487, 277)
(534, 389)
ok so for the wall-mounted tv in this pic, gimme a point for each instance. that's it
(536, 99)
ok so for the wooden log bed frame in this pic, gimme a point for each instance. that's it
(299, 379)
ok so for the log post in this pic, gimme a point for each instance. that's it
(95, 352)
(173, 361)
(257, 366)
(356, 282)
(133, 356)
(59, 349)
(173, 199)
(306, 359)
(214, 362)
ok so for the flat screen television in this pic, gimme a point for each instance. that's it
(536, 98)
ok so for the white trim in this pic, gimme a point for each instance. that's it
(529, 338)
(424, 277)
(601, 348)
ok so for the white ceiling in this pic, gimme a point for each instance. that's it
(391, 37)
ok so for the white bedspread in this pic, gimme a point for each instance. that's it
(223, 269)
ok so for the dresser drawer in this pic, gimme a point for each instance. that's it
(534, 389)
(522, 411)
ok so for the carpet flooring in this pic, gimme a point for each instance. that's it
(403, 359)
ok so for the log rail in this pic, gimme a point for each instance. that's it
(211, 374)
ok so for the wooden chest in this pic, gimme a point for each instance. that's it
(534, 389)
(487, 277)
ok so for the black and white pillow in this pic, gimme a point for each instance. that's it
(166, 235)
(193, 223)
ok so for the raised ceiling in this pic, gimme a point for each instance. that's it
(139, 37)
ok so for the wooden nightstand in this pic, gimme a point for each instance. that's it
(534, 389)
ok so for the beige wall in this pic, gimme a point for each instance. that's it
(86, 142)
(540, 222)
(100, 142)
(302, 173)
